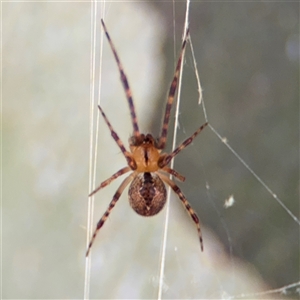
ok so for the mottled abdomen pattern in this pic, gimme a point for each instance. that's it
(147, 194)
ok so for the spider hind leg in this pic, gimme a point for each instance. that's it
(187, 206)
(109, 209)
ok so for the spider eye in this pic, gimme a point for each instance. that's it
(132, 140)
(149, 139)
(136, 140)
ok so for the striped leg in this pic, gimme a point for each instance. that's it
(173, 172)
(191, 212)
(172, 91)
(125, 83)
(110, 207)
(115, 136)
(110, 179)
(184, 144)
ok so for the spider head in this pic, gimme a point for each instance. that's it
(147, 140)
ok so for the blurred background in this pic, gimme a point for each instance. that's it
(248, 59)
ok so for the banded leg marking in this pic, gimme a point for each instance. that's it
(112, 204)
(184, 144)
(125, 83)
(171, 95)
(173, 172)
(186, 204)
(110, 179)
(115, 136)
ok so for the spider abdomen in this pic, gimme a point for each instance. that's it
(147, 194)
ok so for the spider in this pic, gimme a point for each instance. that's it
(147, 192)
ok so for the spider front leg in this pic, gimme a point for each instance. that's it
(125, 83)
(112, 204)
(171, 95)
(191, 212)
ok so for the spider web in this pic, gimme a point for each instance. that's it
(235, 268)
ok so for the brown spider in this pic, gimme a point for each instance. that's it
(147, 192)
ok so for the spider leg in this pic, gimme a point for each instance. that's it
(184, 144)
(192, 213)
(125, 83)
(115, 136)
(171, 95)
(110, 207)
(110, 179)
(173, 172)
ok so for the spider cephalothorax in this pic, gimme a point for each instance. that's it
(149, 167)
